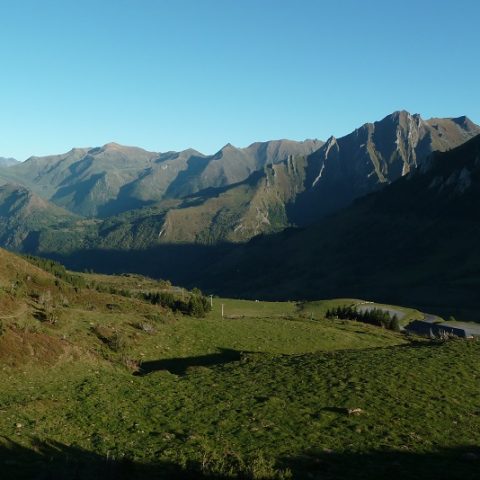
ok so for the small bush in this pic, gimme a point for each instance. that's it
(144, 327)
(155, 317)
(118, 342)
(131, 364)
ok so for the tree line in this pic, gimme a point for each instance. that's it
(196, 305)
(373, 316)
(56, 269)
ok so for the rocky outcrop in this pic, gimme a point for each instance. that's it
(373, 155)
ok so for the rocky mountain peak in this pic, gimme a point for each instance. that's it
(113, 146)
(227, 147)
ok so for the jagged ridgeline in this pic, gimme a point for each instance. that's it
(126, 198)
(99, 182)
(414, 242)
(185, 197)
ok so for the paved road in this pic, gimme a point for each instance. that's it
(470, 328)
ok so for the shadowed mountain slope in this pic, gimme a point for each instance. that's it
(183, 216)
(372, 156)
(22, 212)
(147, 198)
(413, 242)
(279, 195)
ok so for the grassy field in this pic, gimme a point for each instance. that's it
(119, 388)
(263, 415)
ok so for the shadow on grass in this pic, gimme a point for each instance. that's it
(459, 463)
(179, 366)
(253, 271)
(55, 461)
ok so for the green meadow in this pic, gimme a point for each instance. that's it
(120, 388)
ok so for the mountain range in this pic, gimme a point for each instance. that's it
(7, 162)
(23, 212)
(415, 241)
(374, 155)
(131, 198)
(103, 181)
(305, 214)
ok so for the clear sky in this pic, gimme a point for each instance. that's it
(171, 74)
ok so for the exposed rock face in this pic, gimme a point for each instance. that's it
(373, 155)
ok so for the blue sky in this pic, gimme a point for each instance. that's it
(172, 74)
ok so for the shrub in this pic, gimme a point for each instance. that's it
(144, 327)
(118, 341)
